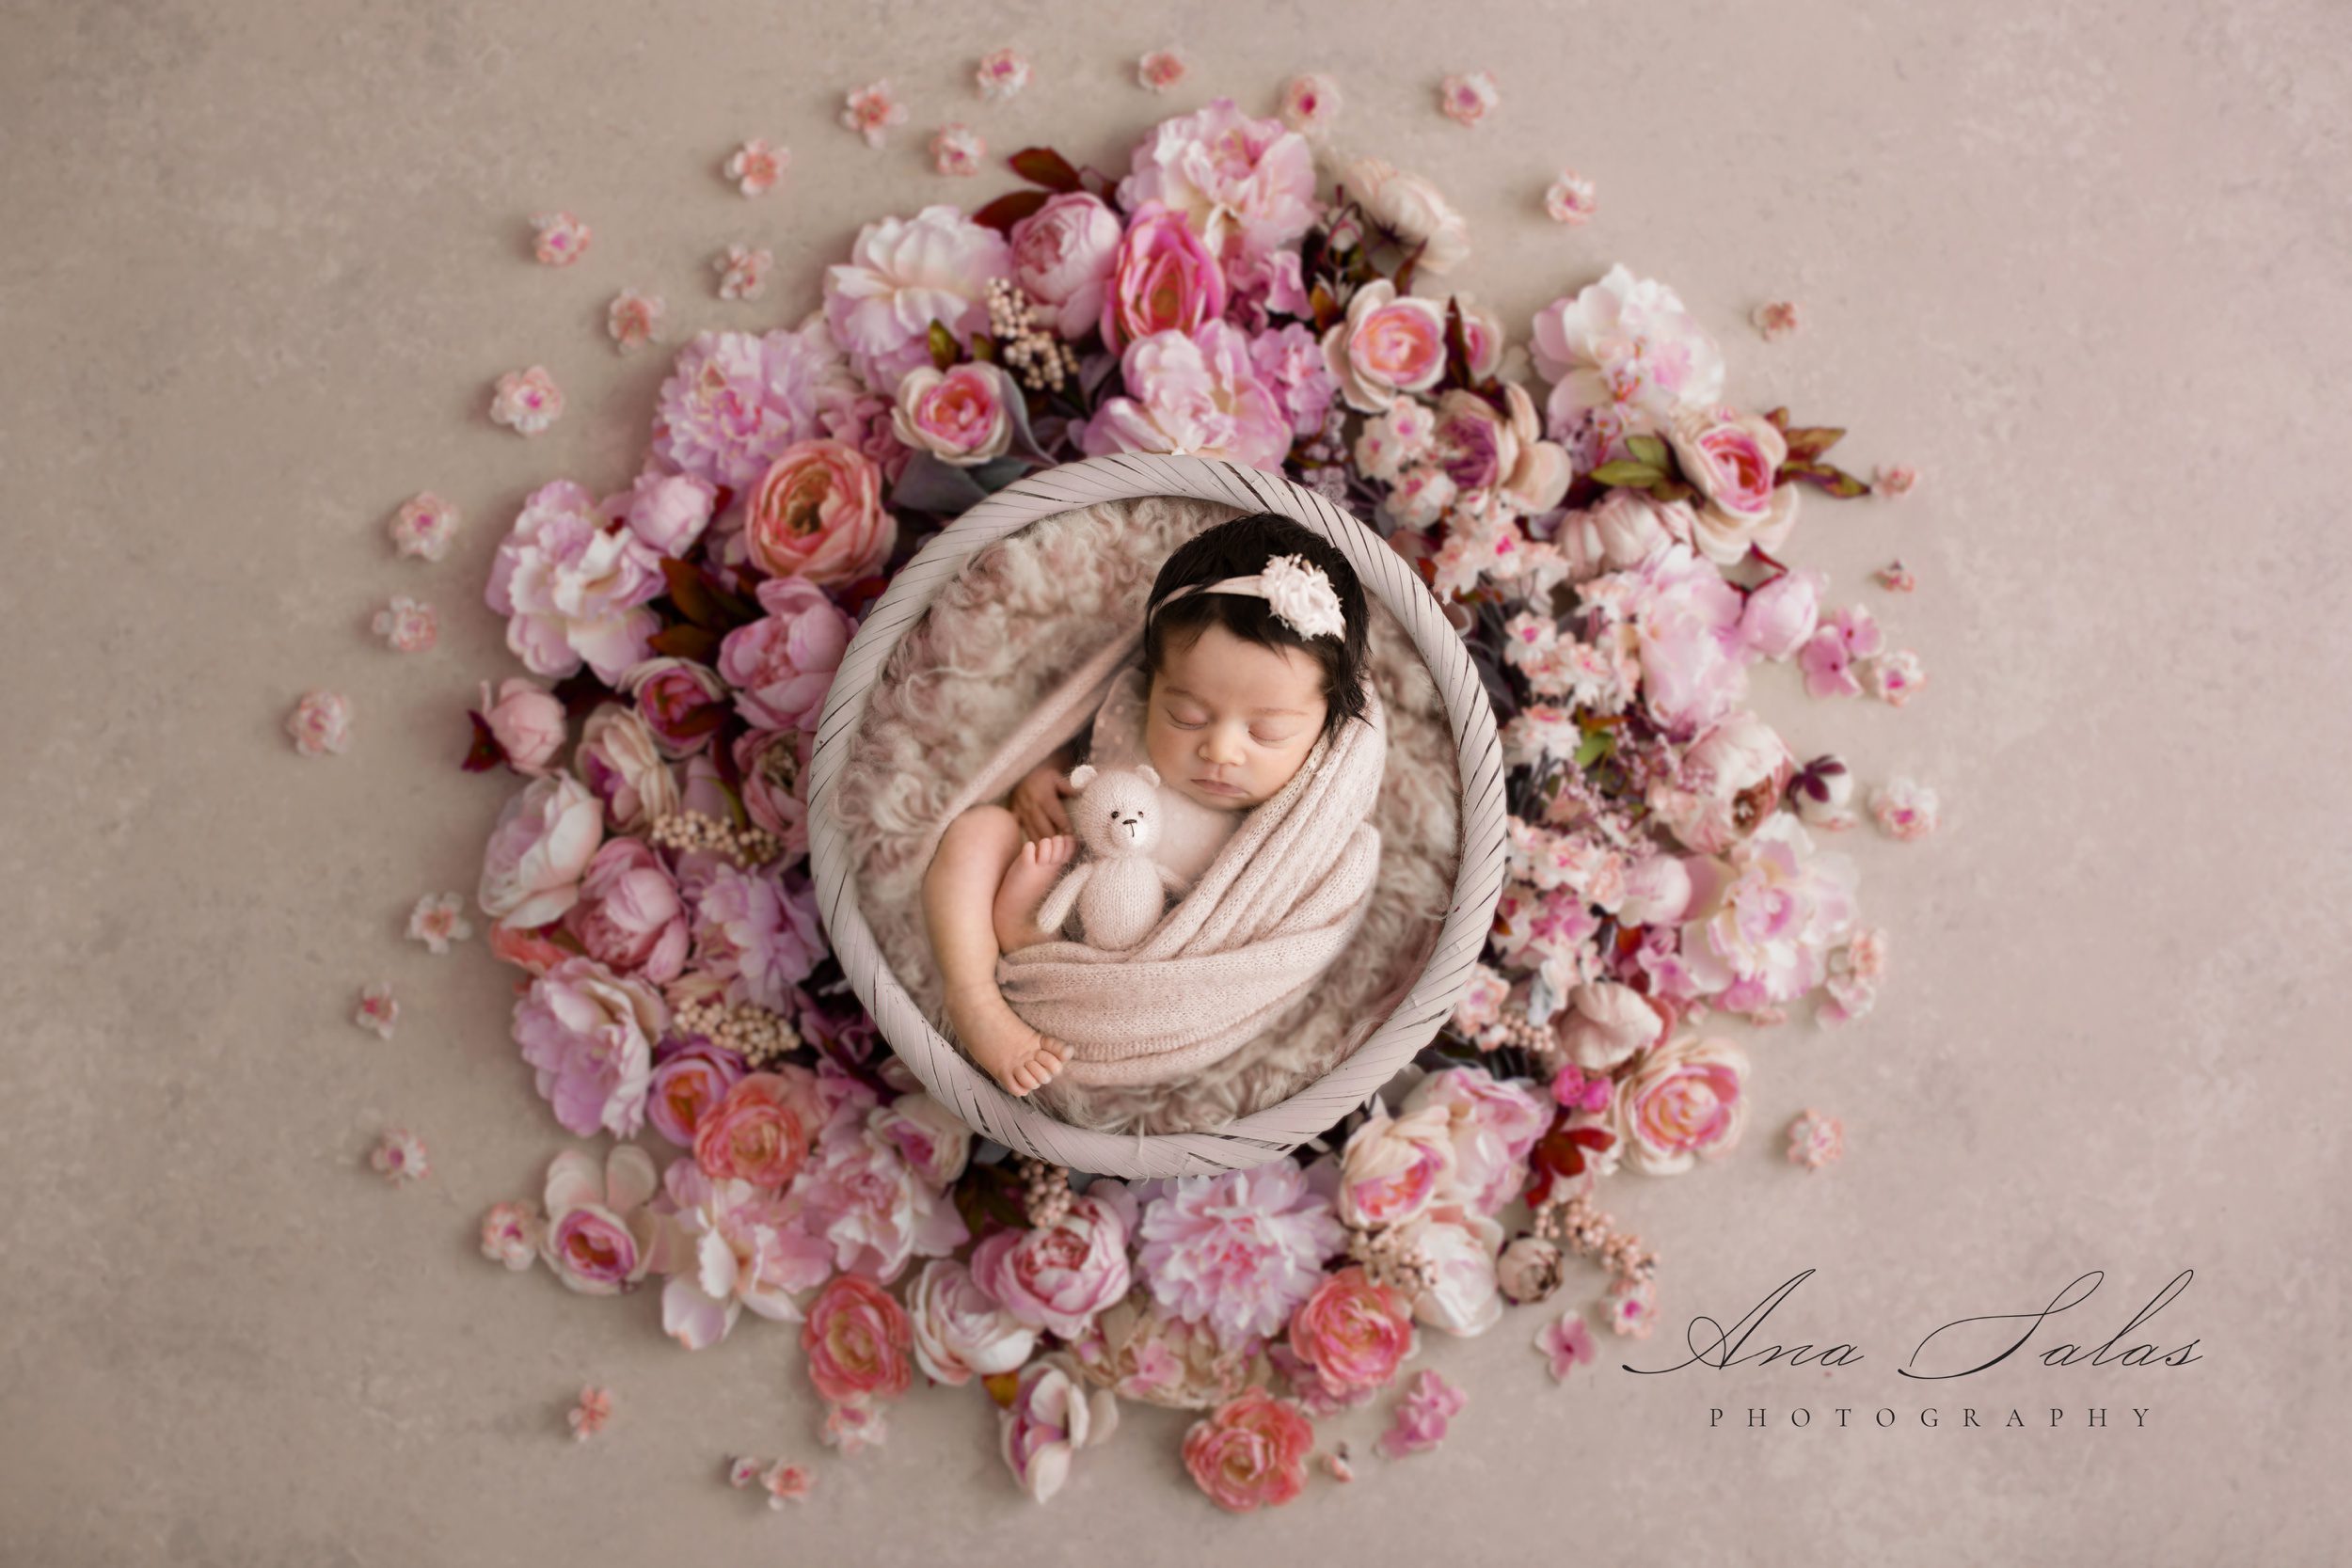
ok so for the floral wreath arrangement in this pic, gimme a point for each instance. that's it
(1608, 554)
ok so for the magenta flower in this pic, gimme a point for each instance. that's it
(1422, 1415)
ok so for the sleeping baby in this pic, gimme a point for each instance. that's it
(1253, 649)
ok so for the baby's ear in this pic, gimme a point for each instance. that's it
(1151, 775)
(1083, 775)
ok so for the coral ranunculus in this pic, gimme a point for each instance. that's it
(1354, 1333)
(1251, 1451)
(859, 1340)
(817, 514)
(760, 1132)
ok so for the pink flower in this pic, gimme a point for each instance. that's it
(853, 1427)
(762, 1130)
(1895, 481)
(1605, 1023)
(1904, 808)
(1063, 255)
(859, 1342)
(1164, 279)
(959, 1330)
(1386, 346)
(1493, 1124)
(1245, 186)
(1895, 678)
(1251, 1452)
(590, 1416)
(400, 1157)
(1684, 1101)
(538, 850)
(634, 318)
(735, 401)
(680, 702)
(773, 765)
(1160, 69)
(525, 722)
(759, 933)
(407, 626)
(1782, 615)
(561, 239)
(1632, 1305)
(1353, 1333)
(817, 514)
(1732, 458)
(1422, 1415)
(321, 724)
(590, 1033)
(728, 1245)
(961, 416)
(629, 916)
(510, 1235)
(1199, 394)
(1480, 1005)
(1409, 211)
(873, 110)
(1240, 1250)
(438, 920)
(1567, 1344)
(527, 402)
(958, 150)
(904, 273)
(1050, 1419)
(619, 761)
(687, 1082)
(1776, 320)
(1500, 453)
(1742, 768)
(1767, 915)
(378, 1010)
(1577, 1090)
(1626, 350)
(574, 587)
(1392, 1168)
(1468, 98)
(1311, 101)
(1571, 198)
(934, 1144)
(600, 1233)
(424, 526)
(864, 1198)
(1895, 577)
(756, 166)
(1002, 74)
(1816, 1140)
(784, 1483)
(1061, 1277)
(668, 511)
(742, 271)
(1464, 1295)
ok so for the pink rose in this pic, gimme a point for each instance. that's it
(773, 765)
(926, 1134)
(817, 514)
(1731, 458)
(959, 416)
(1061, 1277)
(1063, 255)
(960, 1329)
(590, 1033)
(686, 1084)
(669, 512)
(629, 916)
(1506, 455)
(859, 1342)
(619, 759)
(1354, 1333)
(1386, 346)
(1246, 184)
(1251, 1451)
(1746, 767)
(1393, 1168)
(527, 722)
(781, 667)
(1050, 1419)
(1684, 1102)
(538, 850)
(761, 1132)
(1781, 614)
(599, 1236)
(680, 700)
(1163, 280)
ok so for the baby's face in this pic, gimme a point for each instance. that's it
(1226, 712)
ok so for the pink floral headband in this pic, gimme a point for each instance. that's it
(1301, 594)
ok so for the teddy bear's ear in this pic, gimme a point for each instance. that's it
(1082, 775)
(1151, 775)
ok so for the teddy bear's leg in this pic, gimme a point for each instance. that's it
(958, 897)
(1029, 880)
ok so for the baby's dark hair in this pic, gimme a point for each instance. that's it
(1241, 547)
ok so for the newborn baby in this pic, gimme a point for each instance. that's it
(1247, 661)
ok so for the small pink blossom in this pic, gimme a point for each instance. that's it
(400, 1157)
(742, 271)
(1571, 198)
(745, 1471)
(1581, 1090)
(1310, 102)
(438, 920)
(1430, 1403)
(1866, 955)
(1335, 1465)
(511, 1234)
(784, 1483)
(1895, 577)
(562, 239)
(873, 110)
(527, 402)
(1160, 69)
(1632, 1305)
(1842, 637)
(958, 150)
(1904, 808)
(321, 724)
(853, 1427)
(591, 1413)
(378, 1010)
(1776, 319)
(1816, 1140)
(632, 318)
(407, 626)
(1895, 480)
(424, 526)
(1468, 98)
(1568, 1344)
(1895, 678)
(756, 166)
(1003, 73)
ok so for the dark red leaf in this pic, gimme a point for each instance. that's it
(1042, 166)
(486, 754)
(1826, 476)
(699, 643)
(701, 721)
(1807, 444)
(1010, 209)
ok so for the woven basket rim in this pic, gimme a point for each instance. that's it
(1268, 1133)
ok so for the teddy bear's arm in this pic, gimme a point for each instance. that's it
(1174, 881)
(1064, 898)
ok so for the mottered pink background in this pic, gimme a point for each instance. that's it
(2085, 266)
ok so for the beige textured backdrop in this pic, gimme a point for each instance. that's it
(2084, 264)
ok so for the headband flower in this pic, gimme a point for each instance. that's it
(1303, 597)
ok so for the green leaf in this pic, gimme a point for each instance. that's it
(1826, 476)
(1651, 449)
(943, 349)
(1595, 745)
(1631, 474)
(983, 348)
(1042, 166)
(1807, 444)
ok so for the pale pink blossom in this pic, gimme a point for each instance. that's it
(1392, 1168)
(743, 271)
(561, 239)
(926, 1134)
(424, 526)
(873, 110)
(1494, 1125)
(407, 626)
(601, 1231)
(958, 150)
(758, 933)
(378, 1010)
(1410, 211)
(1625, 349)
(1335, 1465)
(629, 916)
(1677, 617)
(1429, 1404)
(1051, 1418)
(1895, 481)
(1895, 577)
(438, 920)
(527, 402)
(1567, 1344)
(1846, 997)
(1399, 435)
(756, 166)
(1571, 198)
(525, 722)
(1632, 1305)
(1385, 346)
(1464, 1295)
(1683, 1102)
(400, 1157)
(1064, 255)
(538, 850)
(1766, 916)
(745, 1471)
(1244, 185)
(1904, 808)
(904, 273)
(1311, 101)
(863, 1201)
(1776, 319)
(1062, 1277)
(1002, 74)
(1480, 1007)
(1866, 955)
(1240, 1250)
(1199, 393)
(622, 765)
(728, 1245)
(589, 1033)
(853, 1428)
(590, 1416)
(1816, 1140)
(634, 318)
(784, 1483)
(1421, 496)
(961, 1331)
(321, 724)
(1466, 99)
(1895, 678)
(574, 586)
(1843, 638)
(1160, 69)
(511, 1234)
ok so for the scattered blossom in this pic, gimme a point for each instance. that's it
(378, 1010)
(1895, 481)
(1776, 319)
(439, 919)
(1904, 808)
(853, 1427)
(634, 318)
(1419, 1422)
(1895, 678)
(424, 526)
(1895, 577)
(407, 626)
(400, 1158)
(527, 402)
(1816, 1140)
(958, 150)
(591, 1414)
(742, 271)
(511, 1234)
(1160, 69)
(561, 239)
(756, 166)
(1571, 198)
(1567, 1344)
(1468, 98)
(873, 110)
(785, 1482)
(1311, 101)
(321, 724)
(1002, 74)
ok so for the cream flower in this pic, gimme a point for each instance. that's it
(1303, 597)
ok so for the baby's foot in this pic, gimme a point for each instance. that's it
(1016, 1055)
(1026, 882)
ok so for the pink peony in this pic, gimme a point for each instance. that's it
(762, 1130)
(1240, 1250)
(668, 511)
(527, 722)
(1063, 255)
(1051, 1417)
(1245, 186)
(926, 1135)
(859, 1342)
(1463, 1247)
(1765, 916)
(1289, 361)
(1604, 1023)
(573, 588)
(817, 514)
(1628, 348)
(962, 416)
(629, 916)
(1251, 1452)
(761, 934)
(734, 401)
(539, 848)
(1683, 1102)
(1386, 346)
(876, 1211)
(1164, 279)
(961, 1331)
(782, 666)
(1498, 452)
(1782, 613)
(590, 1033)
(601, 1235)
(1741, 769)
(1354, 1334)
(1061, 1277)
(1494, 1123)
(680, 700)
(730, 1244)
(1199, 394)
(902, 275)
(1394, 1167)
(687, 1081)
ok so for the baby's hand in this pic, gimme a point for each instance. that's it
(1036, 801)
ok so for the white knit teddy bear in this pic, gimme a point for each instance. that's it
(1122, 892)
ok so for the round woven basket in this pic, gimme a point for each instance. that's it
(1269, 1134)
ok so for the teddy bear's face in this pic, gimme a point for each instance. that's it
(1118, 810)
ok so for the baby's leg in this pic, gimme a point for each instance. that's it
(958, 909)
(1027, 880)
